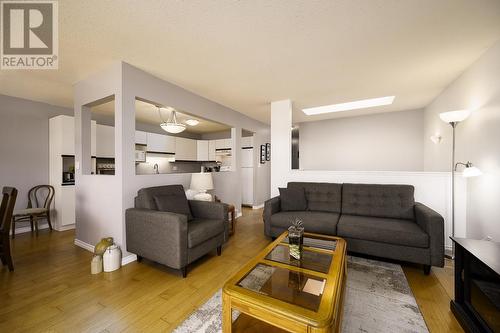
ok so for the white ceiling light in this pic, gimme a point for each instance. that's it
(171, 125)
(192, 122)
(361, 104)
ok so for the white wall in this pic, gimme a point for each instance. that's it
(478, 139)
(381, 142)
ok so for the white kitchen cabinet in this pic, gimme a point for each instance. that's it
(223, 144)
(247, 157)
(185, 149)
(62, 131)
(202, 150)
(93, 134)
(141, 137)
(66, 207)
(247, 186)
(65, 128)
(247, 141)
(211, 150)
(62, 142)
(161, 143)
(105, 141)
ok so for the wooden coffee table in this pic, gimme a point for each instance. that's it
(274, 293)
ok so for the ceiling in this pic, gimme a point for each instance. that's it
(147, 113)
(245, 54)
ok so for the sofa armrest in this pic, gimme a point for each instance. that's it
(158, 236)
(271, 207)
(433, 224)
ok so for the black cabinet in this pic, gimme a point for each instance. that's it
(477, 285)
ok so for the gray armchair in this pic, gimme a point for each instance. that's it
(167, 228)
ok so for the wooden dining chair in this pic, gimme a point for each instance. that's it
(9, 195)
(39, 200)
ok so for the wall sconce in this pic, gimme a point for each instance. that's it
(436, 138)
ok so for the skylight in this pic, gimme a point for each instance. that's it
(361, 104)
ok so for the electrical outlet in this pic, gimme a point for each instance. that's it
(174, 168)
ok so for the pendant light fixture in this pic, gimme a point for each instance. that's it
(171, 125)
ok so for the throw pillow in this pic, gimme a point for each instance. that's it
(293, 199)
(173, 204)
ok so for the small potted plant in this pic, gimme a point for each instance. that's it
(295, 239)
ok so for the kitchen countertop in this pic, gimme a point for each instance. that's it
(177, 173)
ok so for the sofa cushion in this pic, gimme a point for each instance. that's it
(391, 201)
(201, 230)
(292, 199)
(318, 222)
(391, 231)
(323, 197)
(173, 203)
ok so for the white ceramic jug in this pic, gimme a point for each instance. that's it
(112, 258)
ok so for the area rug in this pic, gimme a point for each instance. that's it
(378, 299)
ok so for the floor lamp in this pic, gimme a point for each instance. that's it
(454, 118)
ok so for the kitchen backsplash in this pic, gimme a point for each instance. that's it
(165, 166)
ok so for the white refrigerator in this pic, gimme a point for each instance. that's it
(247, 176)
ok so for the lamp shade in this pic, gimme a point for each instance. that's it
(471, 171)
(454, 116)
(173, 127)
(202, 181)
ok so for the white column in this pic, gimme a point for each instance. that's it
(281, 144)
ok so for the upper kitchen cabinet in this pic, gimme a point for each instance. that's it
(211, 150)
(160, 143)
(202, 150)
(223, 144)
(62, 130)
(247, 141)
(105, 141)
(66, 127)
(186, 149)
(93, 141)
(141, 138)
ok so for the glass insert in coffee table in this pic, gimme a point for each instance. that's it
(289, 286)
(311, 259)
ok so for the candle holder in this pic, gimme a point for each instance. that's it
(296, 239)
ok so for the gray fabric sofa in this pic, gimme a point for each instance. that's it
(378, 220)
(174, 239)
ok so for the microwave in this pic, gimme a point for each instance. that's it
(140, 156)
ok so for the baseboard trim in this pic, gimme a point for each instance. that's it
(65, 227)
(128, 259)
(84, 245)
(24, 230)
(125, 260)
(258, 206)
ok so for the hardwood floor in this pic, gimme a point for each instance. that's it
(52, 290)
